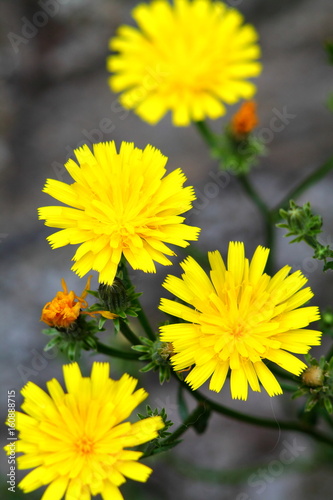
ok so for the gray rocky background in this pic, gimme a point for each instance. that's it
(55, 97)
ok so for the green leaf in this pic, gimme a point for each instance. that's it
(50, 331)
(52, 343)
(91, 341)
(101, 323)
(330, 364)
(148, 367)
(140, 348)
(328, 405)
(72, 351)
(116, 324)
(328, 265)
(164, 374)
(300, 392)
(310, 404)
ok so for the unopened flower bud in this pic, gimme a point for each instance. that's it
(313, 376)
(166, 350)
(245, 120)
(114, 297)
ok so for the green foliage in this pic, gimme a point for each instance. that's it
(157, 445)
(119, 298)
(317, 384)
(302, 223)
(162, 433)
(81, 334)
(157, 353)
(238, 155)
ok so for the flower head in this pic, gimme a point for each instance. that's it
(239, 317)
(188, 58)
(120, 204)
(76, 442)
(245, 120)
(65, 307)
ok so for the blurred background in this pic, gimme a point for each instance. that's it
(54, 98)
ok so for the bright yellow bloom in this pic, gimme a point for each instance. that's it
(245, 120)
(75, 442)
(188, 58)
(239, 317)
(123, 204)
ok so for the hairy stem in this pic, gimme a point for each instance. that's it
(262, 422)
(144, 322)
(309, 181)
(188, 422)
(128, 333)
(116, 353)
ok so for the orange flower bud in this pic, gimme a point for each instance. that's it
(245, 120)
(65, 307)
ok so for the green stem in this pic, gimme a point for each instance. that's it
(188, 422)
(116, 353)
(255, 197)
(262, 422)
(206, 133)
(141, 314)
(305, 184)
(210, 139)
(145, 323)
(127, 332)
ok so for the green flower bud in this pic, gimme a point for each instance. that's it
(113, 297)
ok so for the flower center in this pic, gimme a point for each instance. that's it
(84, 445)
(238, 331)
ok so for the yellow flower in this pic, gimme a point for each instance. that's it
(188, 58)
(75, 442)
(245, 120)
(239, 317)
(66, 307)
(123, 204)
